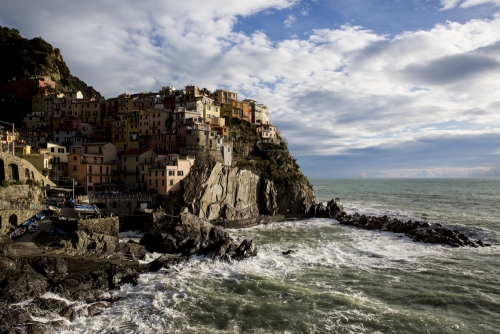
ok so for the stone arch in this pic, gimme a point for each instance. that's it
(2, 170)
(13, 219)
(14, 170)
(27, 173)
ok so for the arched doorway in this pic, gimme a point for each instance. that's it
(14, 171)
(13, 220)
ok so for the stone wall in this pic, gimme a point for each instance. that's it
(14, 169)
(123, 204)
(22, 194)
(107, 226)
(15, 217)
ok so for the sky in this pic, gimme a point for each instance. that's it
(359, 88)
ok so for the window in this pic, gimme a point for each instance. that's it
(136, 158)
(90, 179)
(90, 168)
(171, 182)
(74, 168)
(74, 157)
(171, 173)
(51, 149)
(124, 159)
(180, 173)
(162, 182)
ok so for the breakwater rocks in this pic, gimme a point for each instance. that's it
(190, 235)
(433, 233)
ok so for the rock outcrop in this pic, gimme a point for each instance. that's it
(214, 191)
(193, 235)
(420, 232)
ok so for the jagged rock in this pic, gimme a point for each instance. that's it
(27, 284)
(132, 250)
(192, 235)
(55, 269)
(55, 305)
(166, 262)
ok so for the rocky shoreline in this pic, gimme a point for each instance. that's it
(425, 232)
(84, 286)
(43, 293)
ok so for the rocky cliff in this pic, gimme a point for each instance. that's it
(264, 179)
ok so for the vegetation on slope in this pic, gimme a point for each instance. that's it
(25, 58)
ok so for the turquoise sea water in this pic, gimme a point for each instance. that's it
(341, 280)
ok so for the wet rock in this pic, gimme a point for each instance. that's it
(166, 262)
(55, 305)
(288, 252)
(132, 251)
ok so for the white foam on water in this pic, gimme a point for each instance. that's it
(158, 302)
(131, 235)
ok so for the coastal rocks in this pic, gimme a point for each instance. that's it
(95, 244)
(132, 250)
(191, 235)
(26, 284)
(420, 232)
(5, 245)
(214, 191)
(333, 209)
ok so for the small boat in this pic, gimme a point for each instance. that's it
(54, 209)
(29, 221)
(33, 227)
(86, 209)
(17, 233)
(40, 216)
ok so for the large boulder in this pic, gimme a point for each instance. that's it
(193, 235)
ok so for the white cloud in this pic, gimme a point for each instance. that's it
(289, 21)
(449, 4)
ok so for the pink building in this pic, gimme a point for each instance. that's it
(165, 176)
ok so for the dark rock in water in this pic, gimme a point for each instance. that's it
(14, 315)
(55, 305)
(192, 235)
(419, 232)
(288, 252)
(165, 261)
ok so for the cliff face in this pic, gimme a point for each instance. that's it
(264, 179)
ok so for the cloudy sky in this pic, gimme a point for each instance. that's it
(359, 88)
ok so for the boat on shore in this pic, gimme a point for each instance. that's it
(40, 216)
(18, 233)
(33, 227)
(54, 209)
(86, 209)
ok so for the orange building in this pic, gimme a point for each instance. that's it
(91, 171)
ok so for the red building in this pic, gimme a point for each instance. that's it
(25, 89)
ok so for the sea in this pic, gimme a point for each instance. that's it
(341, 279)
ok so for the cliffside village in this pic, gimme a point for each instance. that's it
(145, 142)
